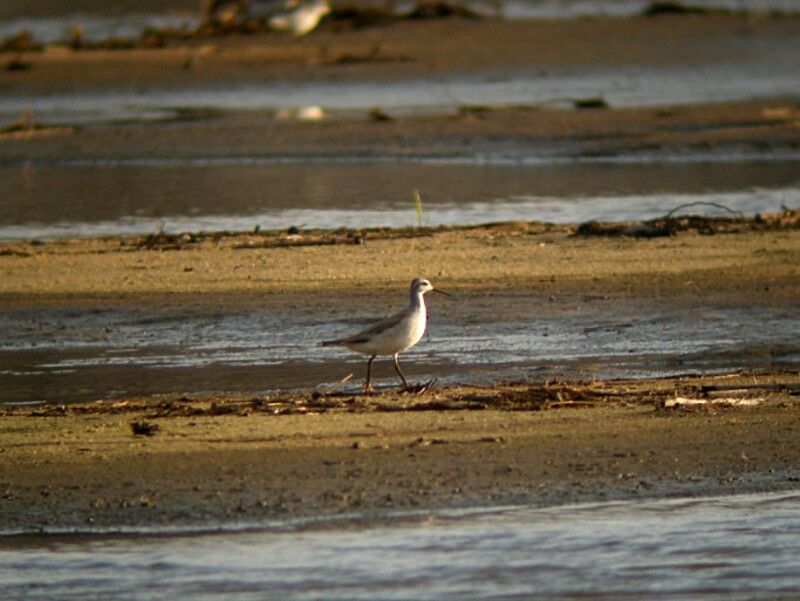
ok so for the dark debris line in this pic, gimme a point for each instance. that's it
(670, 225)
(504, 397)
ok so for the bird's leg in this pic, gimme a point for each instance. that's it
(367, 387)
(400, 373)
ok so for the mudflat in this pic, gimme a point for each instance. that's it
(413, 48)
(433, 52)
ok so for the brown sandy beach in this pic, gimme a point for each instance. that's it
(243, 458)
(747, 264)
(229, 460)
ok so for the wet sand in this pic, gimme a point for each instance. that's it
(737, 128)
(231, 458)
(416, 49)
(249, 460)
(431, 52)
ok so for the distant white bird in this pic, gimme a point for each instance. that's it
(302, 19)
(393, 335)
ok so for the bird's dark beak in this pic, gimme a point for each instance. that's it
(441, 292)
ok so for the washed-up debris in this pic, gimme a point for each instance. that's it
(371, 55)
(304, 113)
(674, 393)
(161, 240)
(427, 442)
(440, 9)
(656, 9)
(17, 64)
(670, 224)
(27, 126)
(693, 403)
(21, 42)
(376, 114)
(10, 252)
(143, 428)
(596, 102)
(420, 388)
(627, 229)
(317, 237)
(741, 389)
(344, 17)
(786, 219)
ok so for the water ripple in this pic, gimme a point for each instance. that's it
(739, 547)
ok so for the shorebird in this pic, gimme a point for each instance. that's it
(302, 19)
(393, 335)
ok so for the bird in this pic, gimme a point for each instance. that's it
(302, 19)
(393, 335)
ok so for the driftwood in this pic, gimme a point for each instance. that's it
(670, 225)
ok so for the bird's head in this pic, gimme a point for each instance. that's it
(420, 286)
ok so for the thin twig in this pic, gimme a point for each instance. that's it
(703, 202)
(334, 387)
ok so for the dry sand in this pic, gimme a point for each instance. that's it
(753, 264)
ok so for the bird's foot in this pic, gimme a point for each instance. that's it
(420, 388)
(369, 390)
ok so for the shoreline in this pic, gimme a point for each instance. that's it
(738, 128)
(409, 48)
(229, 458)
(113, 302)
(224, 460)
(623, 259)
(358, 520)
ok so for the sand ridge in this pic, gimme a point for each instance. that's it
(494, 256)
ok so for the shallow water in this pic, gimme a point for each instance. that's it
(80, 353)
(773, 74)
(87, 198)
(738, 547)
(72, 354)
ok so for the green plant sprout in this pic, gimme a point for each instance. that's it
(418, 206)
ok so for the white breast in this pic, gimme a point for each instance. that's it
(399, 338)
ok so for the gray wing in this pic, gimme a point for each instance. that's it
(373, 330)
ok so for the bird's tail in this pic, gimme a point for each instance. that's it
(330, 343)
